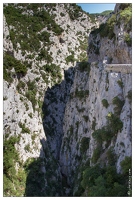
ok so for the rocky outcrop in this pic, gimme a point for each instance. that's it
(111, 40)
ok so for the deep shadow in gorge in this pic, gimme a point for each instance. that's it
(44, 177)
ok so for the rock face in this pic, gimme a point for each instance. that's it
(86, 113)
(69, 114)
(111, 40)
(17, 107)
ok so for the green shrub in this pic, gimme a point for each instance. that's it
(30, 26)
(24, 128)
(10, 62)
(62, 14)
(128, 40)
(86, 118)
(119, 105)
(33, 137)
(120, 83)
(124, 5)
(103, 134)
(111, 156)
(84, 66)
(94, 123)
(96, 154)
(7, 76)
(13, 181)
(83, 44)
(44, 36)
(105, 103)
(126, 165)
(81, 94)
(70, 58)
(126, 16)
(27, 147)
(54, 71)
(21, 85)
(84, 144)
(30, 115)
(114, 123)
(31, 95)
(107, 29)
(89, 176)
(74, 11)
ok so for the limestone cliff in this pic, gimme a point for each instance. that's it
(67, 121)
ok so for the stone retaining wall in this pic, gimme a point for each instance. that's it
(124, 68)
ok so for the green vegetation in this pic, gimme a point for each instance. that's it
(44, 36)
(114, 123)
(82, 93)
(31, 93)
(21, 85)
(106, 12)
(96, 153)
(14, 181)
(54, 71)
(29, 26)
(62, 14)
(86, 118)
(83, 56)
(35, 178)
(84, 144)
(126, 16)
(75, 11)
(27, 148)
(83, 44)
(126, 165)
(111, 156)
(24, 128)
(70, 58)
(105, 134)
(94, 123)
(84, 66)
(128, 39)
(105, 103)
(106, 30)
(43, 55)
(5, 98)
(9, 63)
(119, 105)
(120, 83)
(103, 182)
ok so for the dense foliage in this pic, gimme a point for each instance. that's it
(84, 144)
(29, 25)
(14, 180)
(9, 62)
(105, 103)
(103, 182)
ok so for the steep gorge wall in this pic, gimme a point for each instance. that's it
(85, 113)
(87, 103)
